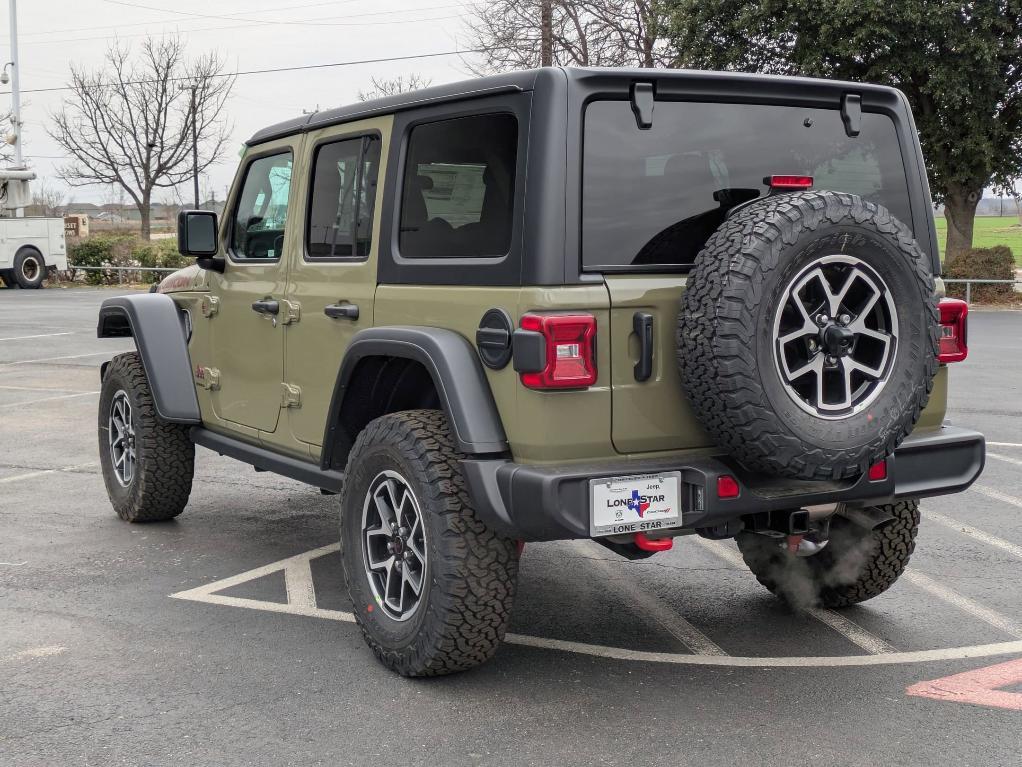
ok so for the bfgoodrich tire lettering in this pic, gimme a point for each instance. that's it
(158, 486)
(726, 327)
(471, 572)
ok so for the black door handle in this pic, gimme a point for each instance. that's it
(266, 306)
(336, 311)
(642, 324)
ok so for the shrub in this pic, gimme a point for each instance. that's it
(996, 263)
(119, 249)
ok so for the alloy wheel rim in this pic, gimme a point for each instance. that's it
(394, 545)
(122, 438)
(835, 337)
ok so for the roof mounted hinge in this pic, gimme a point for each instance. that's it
(290, 395)
(210, 306)
(290, 312)
(642, 105)
(851, 113)
(207, 378)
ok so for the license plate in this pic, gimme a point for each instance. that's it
(636, 504)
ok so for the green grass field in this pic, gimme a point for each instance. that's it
(990, 231)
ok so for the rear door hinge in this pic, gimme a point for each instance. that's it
(290, 312)
(207, 378)
(210, 306)
(290, 395)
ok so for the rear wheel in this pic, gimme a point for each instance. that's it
(857, 563)
(431, 585)
(29, 269)
(147, 463)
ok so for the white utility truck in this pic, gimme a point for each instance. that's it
(29, 247)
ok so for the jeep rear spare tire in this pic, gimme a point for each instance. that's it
(808, 332)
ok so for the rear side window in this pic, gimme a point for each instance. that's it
(343, 193)
(653, 197)
(458, 189)
(257, 228)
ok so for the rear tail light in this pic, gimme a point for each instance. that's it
(727, 487)
(953, 326)
(789, 183)
(569, 357)
(878, 471)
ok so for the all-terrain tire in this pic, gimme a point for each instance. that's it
(857, 564)
(471, 572)
(726, 328)
(161, 480)
(29, 268)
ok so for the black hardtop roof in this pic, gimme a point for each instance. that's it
(594, 78)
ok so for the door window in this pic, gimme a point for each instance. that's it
(459, 184)
(257, 228)
(343, 194)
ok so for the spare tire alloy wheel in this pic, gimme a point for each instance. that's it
(836, 331)
(807, 336)
(393, 545)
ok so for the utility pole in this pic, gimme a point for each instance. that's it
(195, 140)
(546, 24)
(19, 160)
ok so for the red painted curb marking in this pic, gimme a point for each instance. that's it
(981, 686)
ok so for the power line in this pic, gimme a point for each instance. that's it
(274, 69)
(279, 22)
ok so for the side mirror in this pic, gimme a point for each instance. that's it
(196, 233)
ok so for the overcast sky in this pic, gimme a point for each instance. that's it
(53, 34)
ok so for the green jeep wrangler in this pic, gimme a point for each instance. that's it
(623, 305)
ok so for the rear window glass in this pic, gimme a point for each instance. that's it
(459, 184)
(653, 197)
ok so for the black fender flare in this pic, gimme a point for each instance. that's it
(159, 330)
(453, 365)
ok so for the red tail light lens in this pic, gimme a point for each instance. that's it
(878, 471)
(570, 361)
(789, 182)
(727, 486)
(953, 325)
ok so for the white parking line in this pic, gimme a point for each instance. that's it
(51, 399)
(298, 582)
(1005, 458)
(1005, 444)
(44, 472)
(208, 594)
(655, 609)
(979, 535)
(38, 335)
(997, 495)
(56, 359)
(40, 389)
(848, 629)
(962, 602)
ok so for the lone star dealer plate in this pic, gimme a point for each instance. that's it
(636, 504)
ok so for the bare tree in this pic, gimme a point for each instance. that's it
(49, 199)
(129, 124)
(392, 86)
(583, 33)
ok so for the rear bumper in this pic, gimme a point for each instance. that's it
(541, 503)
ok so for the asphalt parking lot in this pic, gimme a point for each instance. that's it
(224, 637)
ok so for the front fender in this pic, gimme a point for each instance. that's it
(456, 372)
(155, 323)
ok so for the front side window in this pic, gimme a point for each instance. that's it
(459, 185)
(653, 197)
(257, 228)
(343, 194)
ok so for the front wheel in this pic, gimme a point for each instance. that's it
(29, 269)
(147, 463)
(430, 584)
(858, 562)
